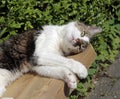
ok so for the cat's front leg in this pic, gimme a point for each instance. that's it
(57, 73)
(77, 67)
(52, 59)
(2, 90)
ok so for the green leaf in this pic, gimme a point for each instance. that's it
(13, 33)
(2, 19)
(118, 13)
(2, 32)
(117, 27)
(82, 89)
(92, 71)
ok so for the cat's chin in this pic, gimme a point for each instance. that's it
(74, 53)
(80, 51)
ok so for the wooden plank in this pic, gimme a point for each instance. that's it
(32, 86)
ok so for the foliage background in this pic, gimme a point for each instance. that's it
(17, 16)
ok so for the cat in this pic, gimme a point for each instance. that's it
(44, 52)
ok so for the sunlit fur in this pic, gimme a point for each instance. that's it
(44, 53)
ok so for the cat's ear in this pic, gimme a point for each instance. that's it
(93, 30)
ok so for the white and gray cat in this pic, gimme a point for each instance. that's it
(44, 52)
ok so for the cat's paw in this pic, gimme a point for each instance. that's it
(78, 68)
(2, 90)
(71, 80)
(82, 72)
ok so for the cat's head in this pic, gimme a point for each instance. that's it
(77, 36)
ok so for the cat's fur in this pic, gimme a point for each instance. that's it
(44, 52)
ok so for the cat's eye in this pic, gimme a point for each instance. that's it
(83, 34)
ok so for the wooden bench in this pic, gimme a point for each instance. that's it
(32, 86)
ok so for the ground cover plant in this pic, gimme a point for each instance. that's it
(17, 16)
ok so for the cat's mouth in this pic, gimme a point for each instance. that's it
(81, 44)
